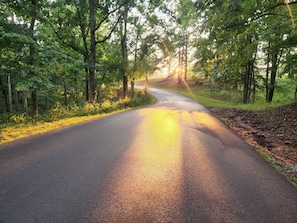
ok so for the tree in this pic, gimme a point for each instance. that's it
(186, 24)
(275, 43)
(124, 50)
(85, 19)
(237, 28)
(24, 15)
(290, 59)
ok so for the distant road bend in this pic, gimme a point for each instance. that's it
(170, 162)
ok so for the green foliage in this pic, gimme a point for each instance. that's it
(141, 97)
(17, 119)
(238, 30)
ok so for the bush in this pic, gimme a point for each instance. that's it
(17, 119)
(141, 97)
(91, 109)
(125, 102)
(58, 112)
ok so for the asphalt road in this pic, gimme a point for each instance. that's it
(170, 162)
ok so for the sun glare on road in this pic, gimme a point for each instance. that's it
(171, 160)
(147, 181)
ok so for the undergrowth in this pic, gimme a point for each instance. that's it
(18, 125)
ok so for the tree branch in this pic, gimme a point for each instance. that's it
(72, 46)
(83, 31)
(111, 31)
(108, 14)
(259, 15)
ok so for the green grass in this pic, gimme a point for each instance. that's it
(17, 131)
(204, 99)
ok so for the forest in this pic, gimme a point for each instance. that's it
(85, 55)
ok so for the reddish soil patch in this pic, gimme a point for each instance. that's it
(274, 130)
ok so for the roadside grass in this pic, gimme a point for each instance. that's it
(210, 99)
(203, 98)
(18, 126)
(17, 131)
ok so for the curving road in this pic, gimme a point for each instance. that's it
(170, 162)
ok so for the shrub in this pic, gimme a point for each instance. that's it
(57, 112)
(17, 119)
(125, 102)
(141, 97)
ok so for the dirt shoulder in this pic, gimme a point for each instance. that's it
(274, 130)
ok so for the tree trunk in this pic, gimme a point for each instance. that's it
(65, 93)
(186, 56)
(86, 56)
(6, 107)
(87, 82)
(17, 100)
(267, 70)
(25, 99)
(247, 82)
(179, 70)
(92, 68)
(32, 54)
(248, 76)
(34, 102)
(124, 53)
(75, 90)
(132, 87)
(246, 86)
(254, 86)
(9, 93)
(253, 80)
(274, 65)
(125, 86)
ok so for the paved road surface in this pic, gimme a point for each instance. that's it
(171, 162)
